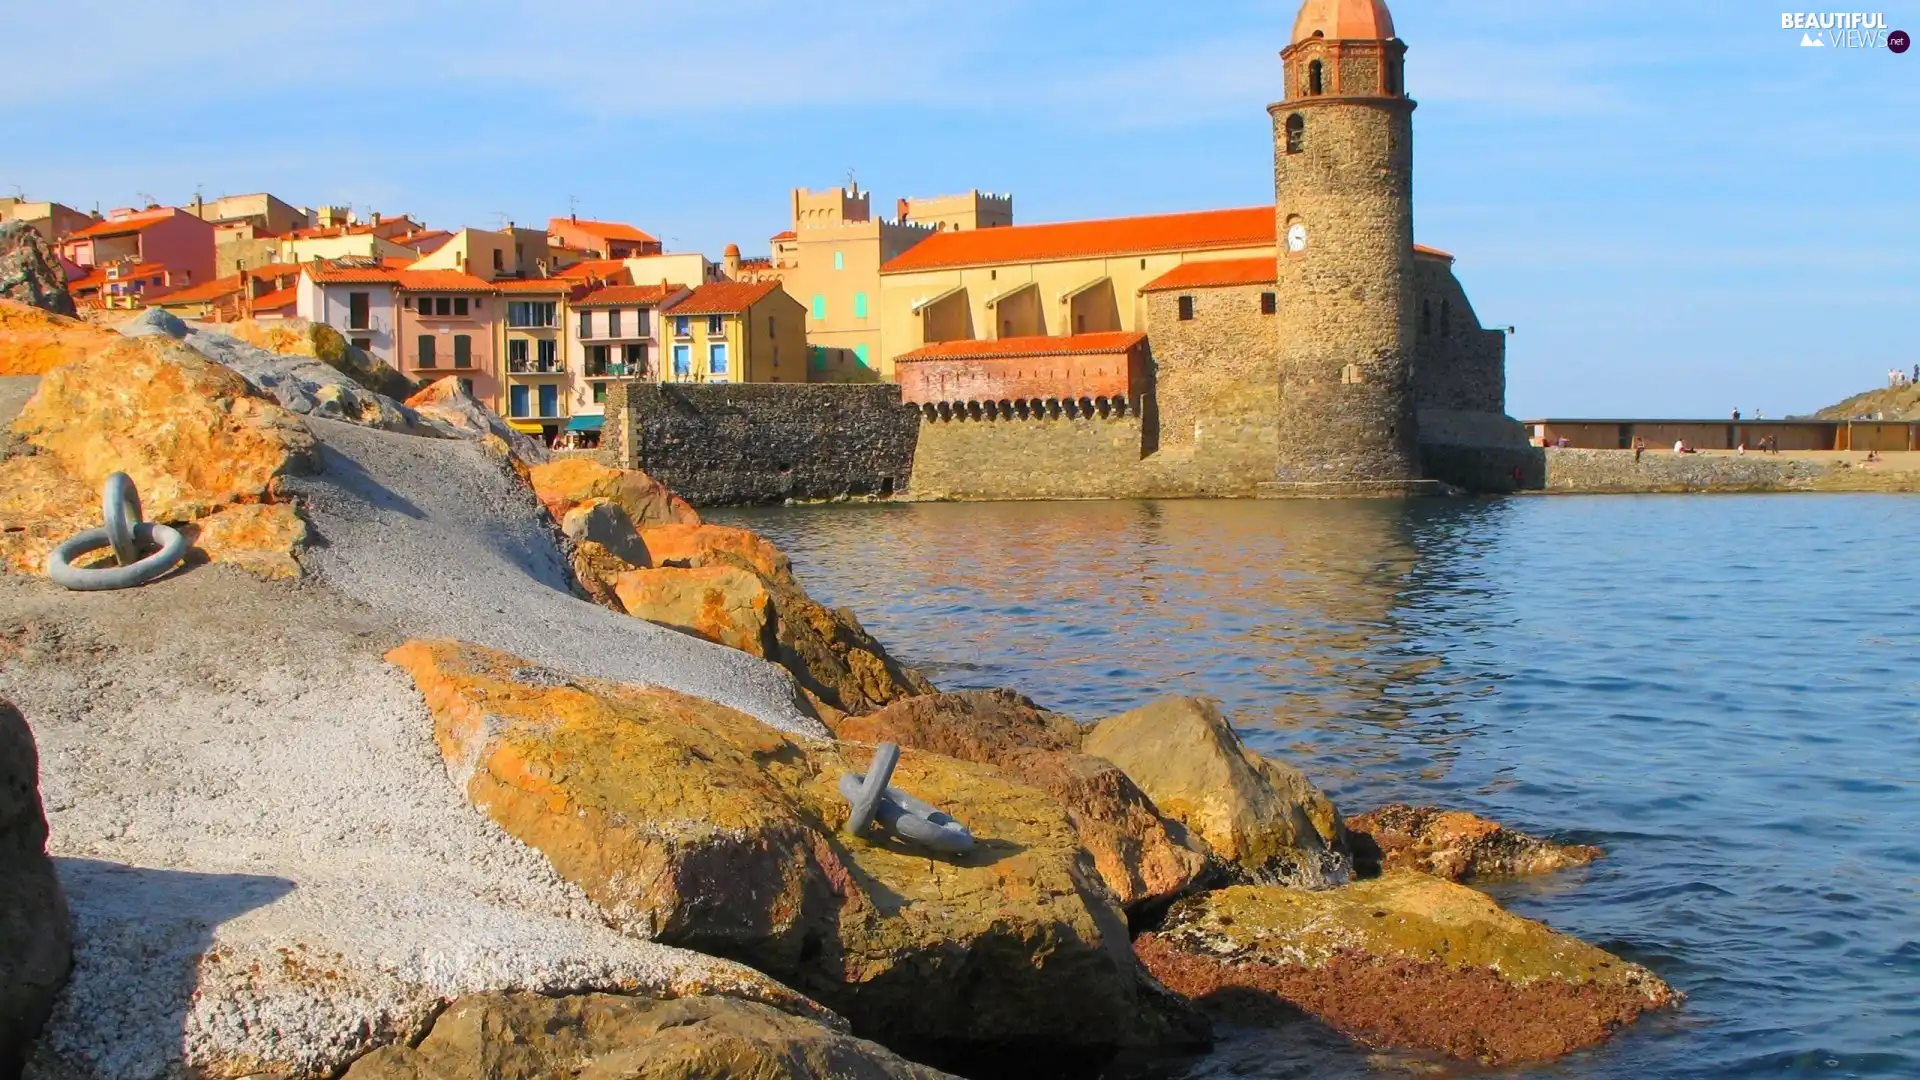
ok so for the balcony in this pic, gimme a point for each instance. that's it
(615, 370)
(536, 367)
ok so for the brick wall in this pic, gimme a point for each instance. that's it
(720, 445)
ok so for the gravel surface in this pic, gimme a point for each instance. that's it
(449, 544)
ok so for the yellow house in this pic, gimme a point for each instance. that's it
(730, 331)
(1058, 279)
(530, 325)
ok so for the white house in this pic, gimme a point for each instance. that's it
(358, 301)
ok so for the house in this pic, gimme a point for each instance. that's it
(360, 301)
(511, 252)
(617, 336)
(731, 331)
(532, 338)
(51, 220)
(445, 325)
(271, 216)
(229, 298)
(601, 239)
(362, 240)
(158, 238)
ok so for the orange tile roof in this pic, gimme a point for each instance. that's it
(1111, 341)
(321, 232)
(609, 295)
(788, 235)
(1201, 274)
(204, 292)
(1197, 231)
(131, 223)
(1422, 249)
(541, 286)
(605, 268)
(281, 298)
(722, 298)
(327, 274)
(605, 230)
(440, 281)
(93, 279)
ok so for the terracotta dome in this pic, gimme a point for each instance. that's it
(733, 250)
(1362, 19)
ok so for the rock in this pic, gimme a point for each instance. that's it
(193, 436)
(1404, 960)
(299, 337)
(36, 939)
(697, 545)
(604, 547)
(1455, 845)
(1145, 858)
(564, 484)
(29, 273)
(830, 654)
(34, 342)
(1261, 815)
(582, 1036)
(204, 450)
(450, 404)
(153, 321)
(722, 604)
(693, 824)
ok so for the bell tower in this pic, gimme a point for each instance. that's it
(1343, 196)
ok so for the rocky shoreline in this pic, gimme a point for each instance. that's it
(442, 759)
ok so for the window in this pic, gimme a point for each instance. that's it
(442, 305)
(530, 312)
(771, 330)
(357, 311)
(717, 358)
(1426, 317)
(517, 354)
(1269, 303)
(642, 320)
(860, 355)
(499, 262)
(466, 385)
(613, 324)
(460, 306)
(716, 325)
(586, 324)
(1316, 78)
(597, 360)
(636, 358)
(407, 302)
(549, 355)
(426, 351)
(1446, 318)
(819, 307)
(817, 357)
(682, 361)
(839, 260)
(1186, 309)
(680, 326)
(859, 305)
(600, 393)
(462, 351)
(516, 401)
(1296, 133)
(364, 344)
(549, 399)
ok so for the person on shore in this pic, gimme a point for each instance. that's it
(1639, 447)
(1736, 416)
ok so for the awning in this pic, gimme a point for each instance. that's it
(585, 423)
(525, 427)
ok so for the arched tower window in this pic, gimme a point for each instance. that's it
(1316, 79)
(1446, 318)
(1296, 133)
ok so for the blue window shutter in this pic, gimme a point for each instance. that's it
(516, 401)
(549, 400)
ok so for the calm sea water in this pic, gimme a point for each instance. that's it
(1724, 692)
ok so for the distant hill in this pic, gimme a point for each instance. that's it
(1897, 402)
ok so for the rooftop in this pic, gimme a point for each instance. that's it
(1111, 341)
(600, 268)
(605, 230)
(1202, 274)
(440, 281)
(1195, 231)
(126, 224)
(279, 298)
(1343, 19)
(722, 298)
(623, 295)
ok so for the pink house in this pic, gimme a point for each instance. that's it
(445, 326)
(159, 236)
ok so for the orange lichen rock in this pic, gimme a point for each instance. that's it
(34, 342)
(1455, 845)
(562, 485)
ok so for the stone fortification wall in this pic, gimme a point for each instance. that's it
(1456, 365)
(1217, 370)
(1575, 471)
(720, 445)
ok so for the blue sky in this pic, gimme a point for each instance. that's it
(1679, 208)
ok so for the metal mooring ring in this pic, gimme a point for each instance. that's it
(898, 812)
(120, 509)
(119, 501)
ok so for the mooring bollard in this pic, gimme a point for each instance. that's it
(898, 812)
(126, 534)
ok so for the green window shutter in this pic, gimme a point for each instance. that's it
(860, 354)
(819, 307)
(818, 356)
(839, 260)
(859, 305)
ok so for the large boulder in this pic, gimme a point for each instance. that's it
(29, 274)
(34, 342)
(1261, 815)
(299, 337)
(36, 940)
(564, 484)
(604, 1036)
(197, 440)
(695, 825)
(722, 604)
(1455, 845)
(681, 544)
(1145, 858)
(1404, 960)
(451, 405)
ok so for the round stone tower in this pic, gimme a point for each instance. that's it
(1343, 191)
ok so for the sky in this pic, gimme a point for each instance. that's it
(1678, 208)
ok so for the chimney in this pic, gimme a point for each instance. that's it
(575, 218)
